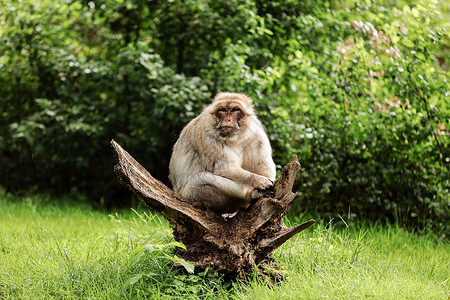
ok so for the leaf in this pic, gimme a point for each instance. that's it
(135, 279)
(152, 247)
(130, 281)
(408, 43)
(313, 70)
(420, 55)
(190, 267)
(268, 31)
(178, 244)
(395, 39)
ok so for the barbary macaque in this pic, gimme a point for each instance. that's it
(223, 157)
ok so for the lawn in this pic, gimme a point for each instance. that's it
(64, 249)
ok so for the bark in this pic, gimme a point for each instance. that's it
(233, 246)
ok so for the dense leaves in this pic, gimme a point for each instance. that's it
(359, 90)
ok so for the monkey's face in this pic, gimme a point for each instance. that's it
(229, 116)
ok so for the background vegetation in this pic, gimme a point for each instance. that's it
(358, 89)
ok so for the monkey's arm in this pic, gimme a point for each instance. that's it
(227, 187)
(246, 178)
(257, 157)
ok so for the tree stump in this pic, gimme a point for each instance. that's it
(233, 246)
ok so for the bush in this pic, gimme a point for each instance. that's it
(357, 90)
(68, 88)
(368, 115)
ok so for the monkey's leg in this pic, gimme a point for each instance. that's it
(216, 192)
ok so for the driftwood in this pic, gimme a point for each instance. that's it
(233, 246)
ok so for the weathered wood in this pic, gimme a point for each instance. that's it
(230, 245)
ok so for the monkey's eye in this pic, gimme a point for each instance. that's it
(222, 109)
(236, 109)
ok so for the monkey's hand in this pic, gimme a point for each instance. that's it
(263, 188)
(263, 183)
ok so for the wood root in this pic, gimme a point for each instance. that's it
(233, 246)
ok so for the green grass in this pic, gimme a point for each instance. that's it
(70, 251)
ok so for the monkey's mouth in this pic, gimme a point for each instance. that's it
(227, 130)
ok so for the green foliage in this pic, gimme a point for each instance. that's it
(357, 89)
(65, 96)
(368, 117)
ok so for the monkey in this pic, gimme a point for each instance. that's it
(223, 157)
